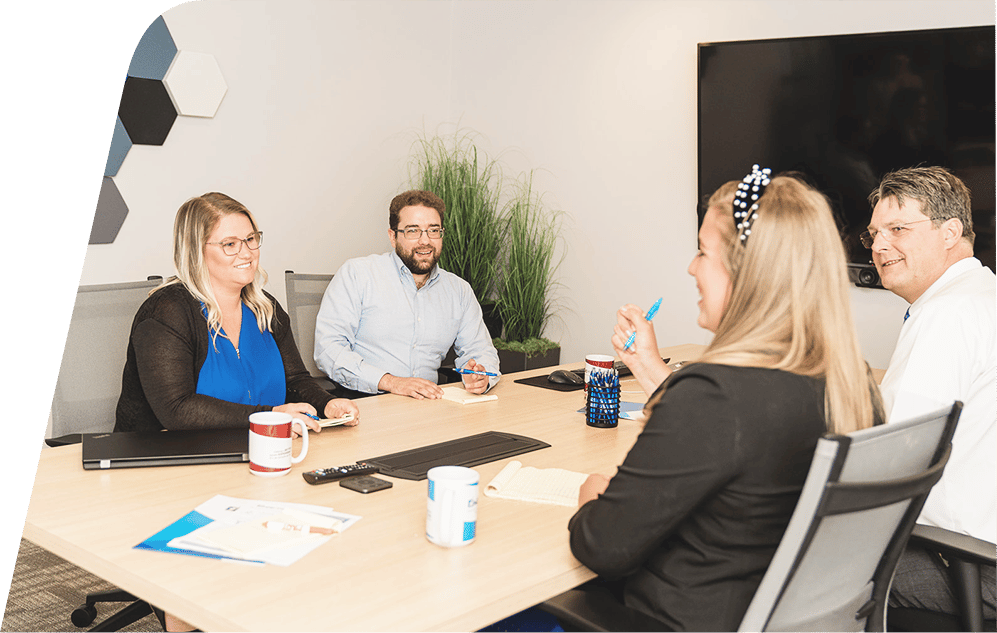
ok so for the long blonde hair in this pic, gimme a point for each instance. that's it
(195, 221)
(789, 306)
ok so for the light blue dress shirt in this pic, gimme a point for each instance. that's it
(374, 321)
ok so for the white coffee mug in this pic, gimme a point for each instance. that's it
(452, 507)
(270, 443)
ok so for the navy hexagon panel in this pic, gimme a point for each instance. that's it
(162, 83)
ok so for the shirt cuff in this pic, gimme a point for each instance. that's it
(370, 376)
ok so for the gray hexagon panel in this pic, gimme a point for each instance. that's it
(110, 214)
(154, 53)
(195, 84)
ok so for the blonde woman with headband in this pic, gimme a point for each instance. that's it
(688, 525)
(210, 346)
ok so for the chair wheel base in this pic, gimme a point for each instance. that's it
(84, 615)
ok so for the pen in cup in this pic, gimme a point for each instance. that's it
(650, 315)
(471, 371)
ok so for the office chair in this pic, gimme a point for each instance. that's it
(965, 555)
(833, 567)
(86, 395)
(304, 297)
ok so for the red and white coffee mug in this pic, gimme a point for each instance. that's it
(270, 443)
(596, 363)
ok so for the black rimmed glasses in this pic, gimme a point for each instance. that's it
(233, 246)
(890, 234)
(414, 232)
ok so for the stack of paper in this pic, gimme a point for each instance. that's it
(540, 485)
(252, 531)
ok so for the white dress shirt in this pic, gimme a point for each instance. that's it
(947, 351)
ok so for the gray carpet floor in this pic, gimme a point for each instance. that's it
(45, 589)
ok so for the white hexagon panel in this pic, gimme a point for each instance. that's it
(195, 84)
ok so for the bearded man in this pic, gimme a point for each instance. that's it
(387, 321)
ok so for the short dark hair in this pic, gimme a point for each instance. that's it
(414, 198)
(941, 194)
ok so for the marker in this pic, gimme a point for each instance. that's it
(650, 315)
(471, 371)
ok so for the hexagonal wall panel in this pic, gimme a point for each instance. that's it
(110, 214)
(146, 111)
(154, 53)
(195, 84)
(120, 144)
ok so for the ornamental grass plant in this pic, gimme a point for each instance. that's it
(500, 238)
(527, 263)
(470, 187)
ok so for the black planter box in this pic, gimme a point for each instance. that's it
(510, 361)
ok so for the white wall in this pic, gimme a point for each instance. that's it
(325, 99)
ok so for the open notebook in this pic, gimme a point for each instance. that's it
(538, 485)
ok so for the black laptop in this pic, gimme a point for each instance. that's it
(164, 448)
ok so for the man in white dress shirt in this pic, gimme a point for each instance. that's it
(921, 236)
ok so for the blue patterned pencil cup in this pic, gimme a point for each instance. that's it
(602, 401)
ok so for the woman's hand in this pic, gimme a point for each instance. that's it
(338, 407)
(297, 409)
(594, 486)
(643, 357)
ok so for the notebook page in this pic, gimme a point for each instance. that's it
(538, 485)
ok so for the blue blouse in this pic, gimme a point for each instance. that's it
(253, 374)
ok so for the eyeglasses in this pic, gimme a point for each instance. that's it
(414, 233)
(893, 233)
(233, 246)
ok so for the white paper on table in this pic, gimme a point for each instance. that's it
(228, 512)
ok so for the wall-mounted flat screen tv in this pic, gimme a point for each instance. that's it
(846, 109)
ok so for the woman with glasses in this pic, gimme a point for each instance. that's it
(210, 346)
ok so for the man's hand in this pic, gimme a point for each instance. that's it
(417, 388)
(474, 383)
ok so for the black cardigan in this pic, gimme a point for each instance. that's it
(693, 517)
(168, 345)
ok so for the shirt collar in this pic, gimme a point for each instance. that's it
(405, 273)
(962, 266)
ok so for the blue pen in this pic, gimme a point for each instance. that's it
(314, 417)
(650, 315)
(471, 371)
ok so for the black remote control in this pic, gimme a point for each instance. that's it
(335, 473)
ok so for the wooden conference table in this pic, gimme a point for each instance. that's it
(381, 574)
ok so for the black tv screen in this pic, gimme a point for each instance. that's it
(846, 109)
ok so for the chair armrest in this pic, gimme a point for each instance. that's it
(953, 544)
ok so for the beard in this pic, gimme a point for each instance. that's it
(417, 267)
